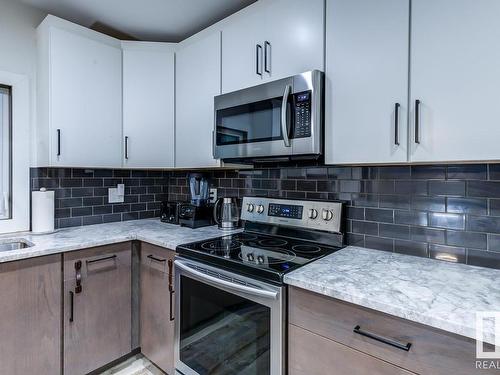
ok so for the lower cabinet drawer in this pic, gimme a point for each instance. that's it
(432, 351)
(312, 354)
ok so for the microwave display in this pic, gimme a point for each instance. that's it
(302, 128)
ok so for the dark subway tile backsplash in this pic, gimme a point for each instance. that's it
(446, 212)
(82, 194)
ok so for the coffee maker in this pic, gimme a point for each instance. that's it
(198, 212)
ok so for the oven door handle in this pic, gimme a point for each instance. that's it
(284, 127)
(216, 281)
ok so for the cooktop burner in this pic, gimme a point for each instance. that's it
(222, 244)
(262, 256)
(272, 242)
(306, 248)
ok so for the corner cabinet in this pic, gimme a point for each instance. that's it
(198, 65)
(30, 311)
(148, 104)
(79, 96)
(97, 319)
(157, 306)
(366, 81)
(272, 39)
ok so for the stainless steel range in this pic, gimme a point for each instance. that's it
(230, 296)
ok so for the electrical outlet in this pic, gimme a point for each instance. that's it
(212, 195)
(117, 194)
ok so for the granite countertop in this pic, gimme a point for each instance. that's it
(152, 231)
(431, 292)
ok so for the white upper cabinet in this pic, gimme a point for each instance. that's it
(80, 96)
(455, 74)
(272, 39)
(148, 105)
(366, 84)
(197, 82)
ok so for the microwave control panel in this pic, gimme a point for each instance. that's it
(302, 114)
(318, 215)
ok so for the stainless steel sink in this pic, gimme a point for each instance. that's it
(10, 245)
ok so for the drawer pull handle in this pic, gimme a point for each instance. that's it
(159, 260)
(101, 259)
(405, 347)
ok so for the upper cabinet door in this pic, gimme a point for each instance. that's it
(455, 75)
(85, 86)
(148, 105)
(366, 81)
(270, 40)
(197, 82)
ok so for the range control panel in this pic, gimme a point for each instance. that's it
(318, 215)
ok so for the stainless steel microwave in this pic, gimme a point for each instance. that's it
(278, 119)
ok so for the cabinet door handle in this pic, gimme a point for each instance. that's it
(152, 257)
(126, 148)
(171, 290)
(71, 306)
(396, 124)
(58, 142)
(101, 259)
(267, 57)
(78, 276)
(258, 59)
(417, 121)
(396, 344)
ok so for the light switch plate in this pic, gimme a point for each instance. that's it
(117, 194)
(212, 195)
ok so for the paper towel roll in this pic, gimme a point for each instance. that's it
(42, 211)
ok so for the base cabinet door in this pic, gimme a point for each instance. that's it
(30, 316)
(157, 312)
(97, 309)
(312, 354)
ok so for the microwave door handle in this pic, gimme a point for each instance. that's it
(223, 283)
(284, 127)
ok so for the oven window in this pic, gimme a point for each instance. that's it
(222, 333)
(253, 122)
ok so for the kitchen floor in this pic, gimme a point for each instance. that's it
(137, 365)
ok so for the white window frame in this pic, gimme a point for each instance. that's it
(20, 127)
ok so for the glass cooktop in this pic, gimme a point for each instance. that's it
(256, 255)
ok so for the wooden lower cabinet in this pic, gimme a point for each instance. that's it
(156, 306)
(312, 354)
(97, 319)
(30, 316)
(432, 351)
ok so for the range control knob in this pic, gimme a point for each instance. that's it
(250, 257)
(260, 209)
(260, 259)
(313, 214)
(327, 215)
(250, 207)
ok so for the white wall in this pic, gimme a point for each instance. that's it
(18, 45)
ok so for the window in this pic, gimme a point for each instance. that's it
(5, 152)
(15, 116)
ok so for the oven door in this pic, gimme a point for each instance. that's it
(226, 324)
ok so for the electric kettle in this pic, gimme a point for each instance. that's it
(226, 213)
